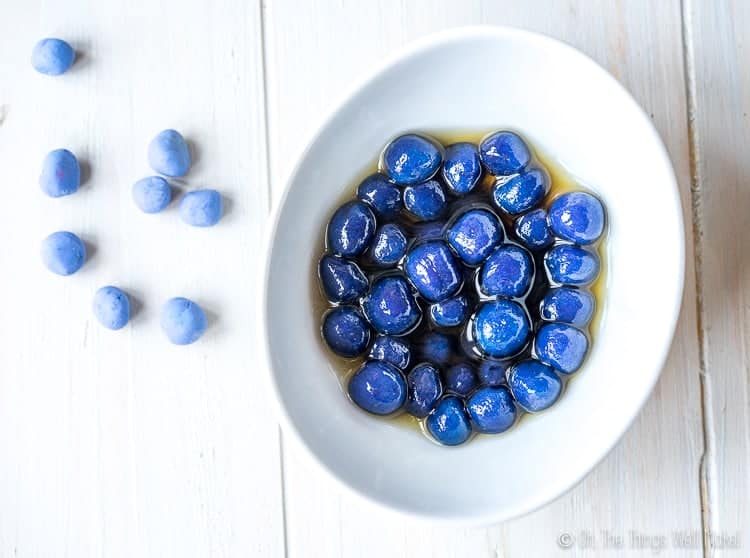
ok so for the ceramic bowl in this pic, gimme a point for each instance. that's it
(482, 78)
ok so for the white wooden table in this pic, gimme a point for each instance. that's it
(118, 444)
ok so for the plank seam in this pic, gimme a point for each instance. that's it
(269, 197)
(696, 181)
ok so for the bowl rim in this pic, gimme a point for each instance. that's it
(404, 52)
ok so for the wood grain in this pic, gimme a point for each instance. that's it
(718, 59)
(117, 443)
(650, 482)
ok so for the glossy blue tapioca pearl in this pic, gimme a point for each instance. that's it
(378, 388)
(351, 229)
(461, 379)
(508, 271)
(345, 331)
(63, 253)
(461, 168)
(435, 347)
(112, 307)
(534, 385)
(388, 245)
(433, 270)
(152, 194)
(425, 201)
(449, 424)
(474, 235)
(394, 350)
(522, 192)
(492, 410)
(61, 174)
(571, 265)
(501, 328)
(491, 372)
(411, 159)
(504, 153)
(533, 231)
(424, 389)
(382, 195)
(432, 230)
(561, 346)
(169, 154)
(577, 217)
(52, 57)
(451, 312)
(201, 208)
(342, 280)
(567, 305)
(391, 307)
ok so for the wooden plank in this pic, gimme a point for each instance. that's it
(118, 443)
(649, 484)
(716, 34)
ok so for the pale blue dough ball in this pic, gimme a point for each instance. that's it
(152, 194)
(201, 208)
(63, 253)
(183, 321)
(112, 307)
(61, 174)
(168, 154)
(52, 57)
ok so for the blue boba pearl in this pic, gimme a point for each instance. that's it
(433, 270)
(168, 154)
(461, 168)
(501, 328)
(451, 312)
(411, 159)
(351, 229)
(577, 217)
(52, 57)
(491, 410)
(461, 379)
(571, 265)
(201, 208)
(378, 388)
(507, 272)
(342, 280)
(183, 321)
(504, 153)
(112, 307)
(381, 194)
(449, 424)
(521, 193)
(532, 230)
(394, 350)
(63, 253)
(391, 307)
(567, 305)
(61, 174)
(425, 201)
(388, 245)
(534, 385)
(424, 390)
(346, 331)
(435, 347)
(491, 373)
(152, 194)
(561, 346)
(474, 235)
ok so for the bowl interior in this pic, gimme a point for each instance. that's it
(484, 79)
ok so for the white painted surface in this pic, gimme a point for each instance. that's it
(117, 444)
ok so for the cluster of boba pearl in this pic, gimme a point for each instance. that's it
(459, 286)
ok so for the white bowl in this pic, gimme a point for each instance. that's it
(483, 78)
